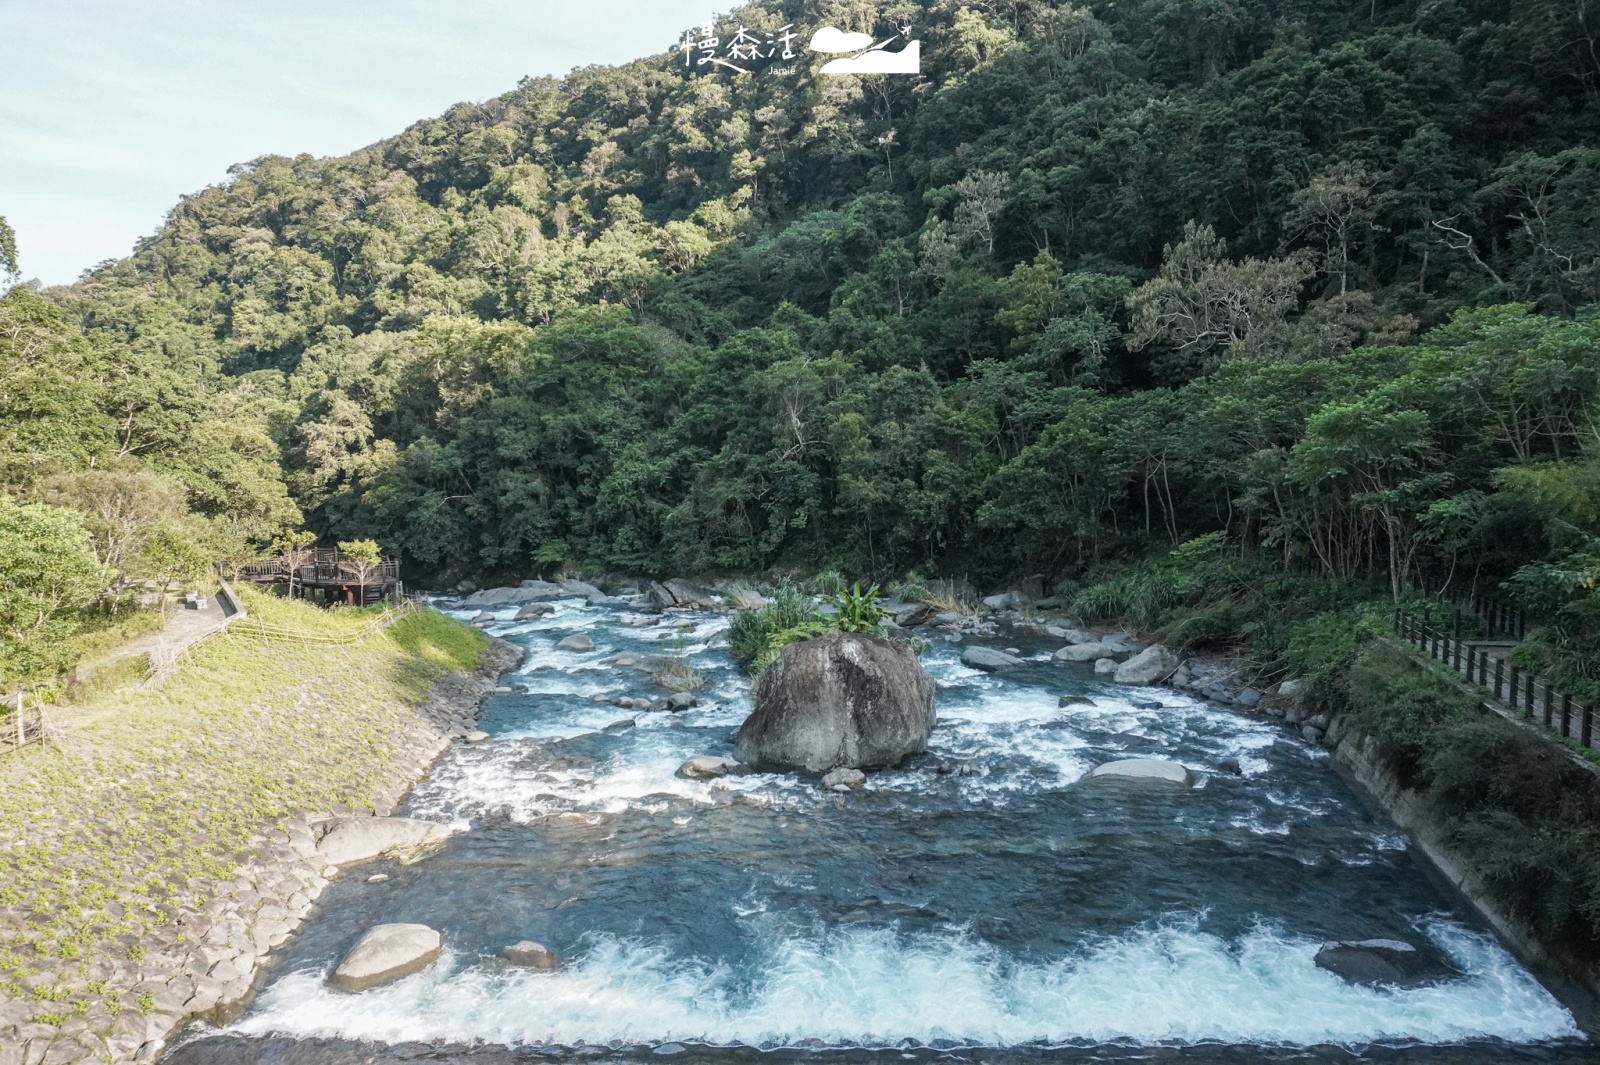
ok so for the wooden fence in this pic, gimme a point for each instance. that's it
(1519, 692)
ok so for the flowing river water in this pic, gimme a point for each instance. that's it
(979, 902)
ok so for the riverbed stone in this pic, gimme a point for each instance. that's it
(1153, 769)
(531, 955)
(476, 736)
(848, 778)
(1391, 962)
(577, 642)
(1075, 700)
(1150, 666)
(681, 701)
(1105, 666)
(841, 699)
(1083, 652)
(706, 767)
(989, 660)
(384, 954)
(359, 839)
(1071, 635)
(534, 610)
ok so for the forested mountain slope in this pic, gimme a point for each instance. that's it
(1103, 277)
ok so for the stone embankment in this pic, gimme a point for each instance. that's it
(206, 962)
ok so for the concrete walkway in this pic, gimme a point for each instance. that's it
(184, 626)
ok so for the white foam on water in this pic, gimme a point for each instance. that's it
(1166, 982)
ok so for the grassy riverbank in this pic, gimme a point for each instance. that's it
(152, 797)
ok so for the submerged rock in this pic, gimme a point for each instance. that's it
(1075, 700)
(620, 726)
(531, 955)
(360, 839)
(706, 767)
(842, 699)
(1150, 666)
(1385, 961)
(384, 954)
(988, 659)
(1144, 769)
(534, 610)
(845, 778)
(578, 642)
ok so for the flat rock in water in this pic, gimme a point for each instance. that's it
(988, 659)
(1144, 769)
(359, 839)
(848, 778)
(1071, 635)
(384, 954)
(477, 736)
(1385, 961)
(844, 698)
(531, 955)
(620, 726)
(1150, 666)
(1075, 700)
(1083, 652)
(706, 767)
(681, 701)
(534, 610)
(578, 642)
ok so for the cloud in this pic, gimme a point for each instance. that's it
(833, 39)
(906, 61)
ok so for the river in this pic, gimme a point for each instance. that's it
(979, 902)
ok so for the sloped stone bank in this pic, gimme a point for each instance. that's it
(161, 945)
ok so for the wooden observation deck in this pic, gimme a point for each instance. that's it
(329, 577)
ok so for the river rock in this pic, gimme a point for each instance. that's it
(531, 955)
(841, 699)
(1105, 666)
(706, 767)
(1003, 601)
(582, 589)
(1083, 652)
(534, 610)
(843, 777)
(1075, 700)
(1070, 635)
(1144, 769)
(1248, 698)
(689, 595)
(1121, 643)
(384, 954)
(477, 736)
(681, 701)
(577, 642)
(620, 726)
(359, 839)
(1150, 666)
(914, 614)
(988, 659)
(1385, 961)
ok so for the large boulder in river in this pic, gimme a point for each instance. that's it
(1159, 769)
(359, 839)
(576, 642)
(989, 660)
(1385, 961)
(384, 954)
(842, 699)
(1150, 666)
(1083, 652)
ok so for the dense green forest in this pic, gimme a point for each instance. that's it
(1316, 280)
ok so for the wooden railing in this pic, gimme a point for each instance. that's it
(1518, 692)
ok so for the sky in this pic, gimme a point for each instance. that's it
(112, 109)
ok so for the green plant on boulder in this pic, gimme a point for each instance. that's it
(858, 610)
